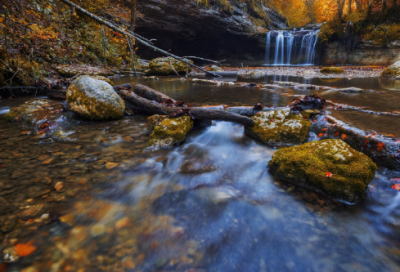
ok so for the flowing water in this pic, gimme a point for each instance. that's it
(208, 205)
(291, 47)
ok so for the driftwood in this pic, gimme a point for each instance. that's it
(128, 33)
(151, 107)
(151, 94)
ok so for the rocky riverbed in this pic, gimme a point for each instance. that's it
(89, 198)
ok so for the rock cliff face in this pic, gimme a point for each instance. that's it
(189, 29)
(365, 54)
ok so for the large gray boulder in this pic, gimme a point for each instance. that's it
(94, 99)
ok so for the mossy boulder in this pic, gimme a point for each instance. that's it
(392, 71)
(332, 70)
(330, 167)
(280, 127)
(162, 66)
(168, 132)
(25, 111)
(94, 99)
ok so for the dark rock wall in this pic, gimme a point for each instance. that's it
(209, 32)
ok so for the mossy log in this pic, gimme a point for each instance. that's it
(151, 107)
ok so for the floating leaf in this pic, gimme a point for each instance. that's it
(25, 249)
(381, 146)
(328, 174)
(396, 186)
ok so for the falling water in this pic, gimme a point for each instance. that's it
(295, 47)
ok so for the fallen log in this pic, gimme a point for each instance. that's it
(152, 107)
(151, 94)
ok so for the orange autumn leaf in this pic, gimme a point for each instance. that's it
(381, 146)
(337, 133)
(320, 135)
(396, 187)
(328, 174)
(325, 129)
(344, 137)
(24, 249)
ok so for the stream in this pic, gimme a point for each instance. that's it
(207, 205)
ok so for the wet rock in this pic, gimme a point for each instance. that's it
(162, 66)
(25, 111)
(151, 78)
(168, 132)
(279, 128)
(330, 167)
(309, 102)
(351, 90)
(251, 74)
(9, 225)
(309, 73)
(5, 206)
(10, 255)
(392, 71)
(94, 99)
(31, 211)
(215, 68)
(332, 70)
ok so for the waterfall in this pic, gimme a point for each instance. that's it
(292, 47)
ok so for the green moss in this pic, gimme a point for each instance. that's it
(332, 70)
(90, 107)
(169, 132)
(389, 72)
(280, 127)
(306, 165)
(162, 66)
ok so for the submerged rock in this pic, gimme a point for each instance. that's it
(331, 167)
(162, 66)
(250, 74)
(392, 71)
(94, 99)
(151, 78)
(279, 127)
(332, 70)
(168, 132)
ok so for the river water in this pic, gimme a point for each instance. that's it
(208, 205)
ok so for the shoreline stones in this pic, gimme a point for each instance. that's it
(162, 66)
(167, 132)
(279, 127)
(330, 167)
(332, 70)
(255, 74)
(94, 99)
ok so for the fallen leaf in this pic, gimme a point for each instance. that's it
(123, 222)
(25, 133)
(328, 174)
(2, 165)
(320, 135)
(396, 186)
(344, 137)
(324, 129)
(337, 134)
(25, 249)
(381, 146)
(48, 161)
(111, 165)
